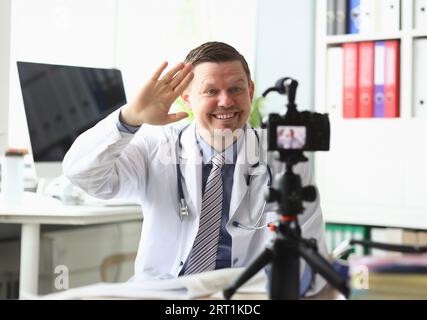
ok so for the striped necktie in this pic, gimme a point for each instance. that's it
(204, 251)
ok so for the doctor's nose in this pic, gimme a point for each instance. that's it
(225, 100)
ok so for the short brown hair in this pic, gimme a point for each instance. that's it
(216, 52)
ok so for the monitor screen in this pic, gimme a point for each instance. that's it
(61, 102)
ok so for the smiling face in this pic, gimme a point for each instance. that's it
(220, 96)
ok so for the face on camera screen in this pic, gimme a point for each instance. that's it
(291, 137)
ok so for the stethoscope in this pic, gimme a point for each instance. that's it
(183, 207)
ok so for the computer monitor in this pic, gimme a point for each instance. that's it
(60, 103)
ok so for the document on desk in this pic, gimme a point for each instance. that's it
(185, 287)
(115, 202)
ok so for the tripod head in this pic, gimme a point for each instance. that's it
(286, 86)
(288, 192)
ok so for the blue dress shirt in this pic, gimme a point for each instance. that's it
(123, 127)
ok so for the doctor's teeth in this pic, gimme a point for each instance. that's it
(224, 116)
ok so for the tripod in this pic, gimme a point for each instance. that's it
(288, 246)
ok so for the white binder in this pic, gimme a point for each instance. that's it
(334, 82)
(367, 16)
(420, 78)
(420, 15)
(379, 16)
(387, 15)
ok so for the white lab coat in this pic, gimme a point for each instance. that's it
(108, 163)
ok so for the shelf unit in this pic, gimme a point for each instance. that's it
(376, 171)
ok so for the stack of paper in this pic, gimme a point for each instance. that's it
(391, 277)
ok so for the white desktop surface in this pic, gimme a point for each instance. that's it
(34, 211)
(67, 214)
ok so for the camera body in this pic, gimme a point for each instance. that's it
(296, 131)
(306, 131)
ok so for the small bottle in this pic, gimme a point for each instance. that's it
(12, 176)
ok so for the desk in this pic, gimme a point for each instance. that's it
(32, 213)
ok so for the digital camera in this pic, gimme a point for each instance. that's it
(299, 131)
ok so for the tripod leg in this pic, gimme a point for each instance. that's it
(260, 262)
(322, 266)
(284, 279)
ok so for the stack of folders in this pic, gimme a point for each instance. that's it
(388, 278)
(363, 79)
(365, 16)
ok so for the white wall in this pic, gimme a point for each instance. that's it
(150, 32)
(4, 70)
(75, 32)
(285, 47)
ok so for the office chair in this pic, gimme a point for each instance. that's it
(113, 267)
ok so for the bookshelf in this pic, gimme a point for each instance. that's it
(376, 171)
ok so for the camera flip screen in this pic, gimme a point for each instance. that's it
(290, 137)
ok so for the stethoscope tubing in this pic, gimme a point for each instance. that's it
(183, 207)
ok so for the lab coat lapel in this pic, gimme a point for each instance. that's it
(191, 166)
(245, 158)
(239, 188)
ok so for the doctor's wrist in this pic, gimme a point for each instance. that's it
(125, 127)
(127, 117)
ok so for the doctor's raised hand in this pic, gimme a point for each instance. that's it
(154, 100)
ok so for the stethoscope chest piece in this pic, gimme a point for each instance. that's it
(183, 208)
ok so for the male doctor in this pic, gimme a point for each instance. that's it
(200, 186)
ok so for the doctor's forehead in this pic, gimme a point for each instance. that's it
(212, 72)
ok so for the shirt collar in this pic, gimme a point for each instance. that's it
(209, 152)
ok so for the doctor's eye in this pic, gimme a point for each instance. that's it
(235, 89)
(211, 92)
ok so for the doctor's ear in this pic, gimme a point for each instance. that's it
(185, 97)
(251, 89)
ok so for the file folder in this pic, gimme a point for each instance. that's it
(350, 83)
(366, 79)
(391, 82)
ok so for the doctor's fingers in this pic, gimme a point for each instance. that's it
(169, 76)
(182, 84)
(159, 71)
(174, 117)
(178, 77)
